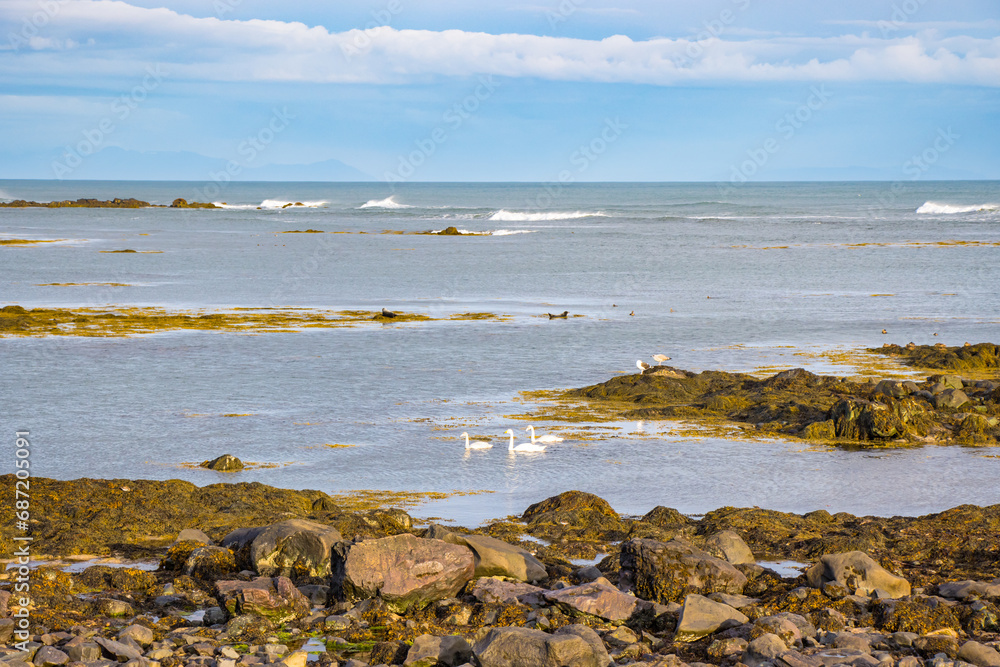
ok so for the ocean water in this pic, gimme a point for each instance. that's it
(754, 276)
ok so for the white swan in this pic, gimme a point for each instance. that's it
(523, 447)
(477, 444)
(544, 438)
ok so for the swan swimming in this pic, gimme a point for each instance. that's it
(544, 438)
(523, 447)
(477, 444)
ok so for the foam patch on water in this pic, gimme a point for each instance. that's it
(489, 232)
(521, 216)
(274, 203)
(388, 202)
(952, 209)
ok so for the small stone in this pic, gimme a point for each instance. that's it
(84, 652)
(49, 656)
(139, 633)
(620, 636)
(296, 659)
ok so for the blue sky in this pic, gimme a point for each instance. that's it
(512, 91)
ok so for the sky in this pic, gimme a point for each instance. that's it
(510, 90)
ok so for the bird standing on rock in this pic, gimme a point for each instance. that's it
(660, 358)
(642, 365)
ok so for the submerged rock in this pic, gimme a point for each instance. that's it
(224, 463)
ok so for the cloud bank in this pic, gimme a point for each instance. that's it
(92, 38)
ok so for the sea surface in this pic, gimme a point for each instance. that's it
(755, 276)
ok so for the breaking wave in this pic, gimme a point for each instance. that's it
(951, 209)
(388, 202)
(504, 215)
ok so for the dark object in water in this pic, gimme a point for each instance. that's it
(563, 315)
(388, 313)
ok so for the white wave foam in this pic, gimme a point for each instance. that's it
(951, 209)
(273, 203)
(490, 232)
(388, 202)
(504, 215)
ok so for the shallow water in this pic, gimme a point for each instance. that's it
(141, 407)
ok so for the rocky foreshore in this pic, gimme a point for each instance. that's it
(246, 574)
(103, 203)
(942, 408)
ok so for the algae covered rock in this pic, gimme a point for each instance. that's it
(275, 599)
(295, 547)
(574, 516)
(224, 463)
(403, 570)
(668, 571)
(859, 573)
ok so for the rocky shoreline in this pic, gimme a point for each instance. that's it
(250, 575)
(104, 203)
(943, 408)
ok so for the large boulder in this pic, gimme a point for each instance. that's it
(275, 599)
(494, 589)
(858, 572)
(525, 647)
(971, 652)
(574, 516)
(295, 547)
(730, 547)
(493, 557)
(404, 570)
(667, 571)
(701, 616)
(596, 598)
(431, 651)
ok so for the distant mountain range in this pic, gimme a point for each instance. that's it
(118, 164)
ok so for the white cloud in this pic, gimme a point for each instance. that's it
(210, 49)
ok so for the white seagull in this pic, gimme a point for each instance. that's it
(544, 438)
(661, 358)
(478, 444)
(523, 447)
(641, 365)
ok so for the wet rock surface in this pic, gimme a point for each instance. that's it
(889, 592)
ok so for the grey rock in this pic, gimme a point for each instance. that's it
(781, 626)
(960, 590)
(493, 557)
(50, 656)
(120, 651)
(796, 659)
(852, 641)
(295, 546)
(975, 653)
(597, 598)
(404, 570)
(431, 651)
(731, 547)
(950, 398)
(193, 535)
(214, 616)
(84, 652)
(493, 589)
(138, 633)
(701, 616)
(764, 649)
(524, 647)
(587, 634)
(588, 573)
(316, 594)
(858, 572)
(734, 601)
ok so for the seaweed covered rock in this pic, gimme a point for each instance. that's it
(983, 356)
(859, 573)
(667, 571)
(224, 463)
(403, 570)
(295, 547)
(209, 562)
(574, 516)
(275, 599)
